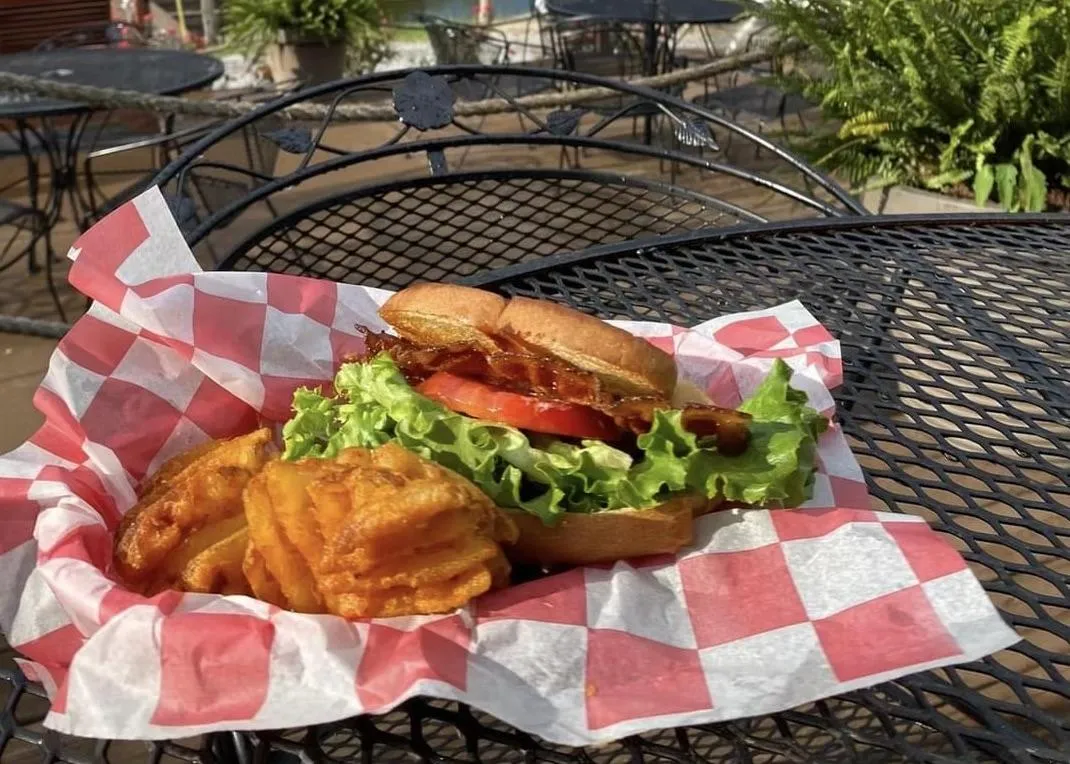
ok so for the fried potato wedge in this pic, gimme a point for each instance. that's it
(439, 598)
(372, 533)
(281, 557)
(191, 504)
(416, 570)
(194, 546)
(219, 567)
(443, 529)
(262, 583)
(160, 481)
(401, 520)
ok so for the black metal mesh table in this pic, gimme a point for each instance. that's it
(54, 131)
(146, 70)
(956, 344)
(646, 11)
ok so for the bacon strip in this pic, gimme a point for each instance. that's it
(731, 428)
(519, 372)
(552, 378)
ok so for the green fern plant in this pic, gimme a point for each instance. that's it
(939, 93)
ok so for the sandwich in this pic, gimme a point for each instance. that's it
(581, 431)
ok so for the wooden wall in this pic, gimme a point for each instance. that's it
(25, 23)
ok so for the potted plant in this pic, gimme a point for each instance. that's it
(961, 97)
(307, 40)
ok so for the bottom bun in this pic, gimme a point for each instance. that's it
(581, 539)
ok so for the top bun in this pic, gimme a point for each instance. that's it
(444, 314)
(439, 314)
(625, 363)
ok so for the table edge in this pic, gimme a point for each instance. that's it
(66, 108)
(573, 14)
(750, 230)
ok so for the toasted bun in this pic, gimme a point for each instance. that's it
(582, 539)
(443, 314)
(625, 363)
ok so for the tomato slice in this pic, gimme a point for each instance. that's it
(525, 412)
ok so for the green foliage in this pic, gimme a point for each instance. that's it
(938, 93)
(252, 24)
(399, 10)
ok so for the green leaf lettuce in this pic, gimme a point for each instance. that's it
(373, 404)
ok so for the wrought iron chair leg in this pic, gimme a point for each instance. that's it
(94, 201)
(674, 166)
(51, 281)
(33, 186)
(782, 110)
(227, 748)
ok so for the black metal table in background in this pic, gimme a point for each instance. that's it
(644, 11)
(659, 18)
(53, 130)
(956, 400)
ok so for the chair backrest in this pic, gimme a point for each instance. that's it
(436, 194)
(456, 43)
(394, 233)
(249, 155)
(233, 168)
(595, 46)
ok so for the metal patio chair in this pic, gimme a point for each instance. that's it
(387, 203)
(456, 43)
(751, 94)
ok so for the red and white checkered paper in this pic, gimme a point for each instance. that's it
(768, 610)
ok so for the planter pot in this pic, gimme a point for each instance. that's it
(312, 62)
(904, 200)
